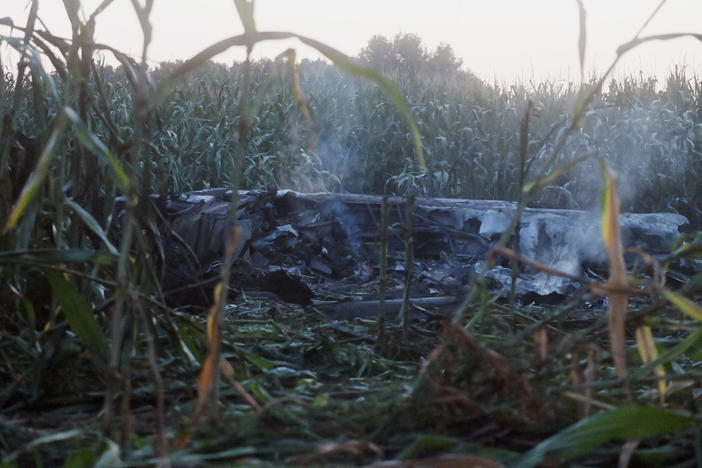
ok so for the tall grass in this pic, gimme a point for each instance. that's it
(649, 130)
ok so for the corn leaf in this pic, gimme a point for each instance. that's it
(245, 8)
(110, 456)
(649, 353)
(427, 442)
(538, 184)
(208, 374)
(687, 306)
(260, 362)
(92, 224)
(54, 256)
(39, 441)
(689, 245)
(183, 458)
(624, 48)
(36, 178)
(577, 108)
(625, 423)
(78, 314)
(669, 354)
(93, 144)
(39, 75)
(582, 39)
(100, 8)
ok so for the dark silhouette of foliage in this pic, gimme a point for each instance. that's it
(406, 54)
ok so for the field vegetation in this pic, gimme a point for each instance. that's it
(358, 141)
(96, 369)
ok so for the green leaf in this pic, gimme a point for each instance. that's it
(260, 392)
(40, 75)
(92, 224)
(688, 245)
(78, 313)
(42, 440)
(95, 146)
(188, 459)
(687, 306)
(578, 107)
(82, 459)
(542, 182)
(625, 423)
(669, 354)
(260, 362)
(53, 256)
(110, 456)
(24, 231)
(647, 349)
(428, 444)
(245, 8)
(36, 178)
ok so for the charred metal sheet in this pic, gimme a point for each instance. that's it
(318, 239)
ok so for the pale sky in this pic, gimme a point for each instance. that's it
(499, 40)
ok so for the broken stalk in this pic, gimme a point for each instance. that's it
(409, 254)
(382, 273)
(523, 154)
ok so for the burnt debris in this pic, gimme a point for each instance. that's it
(323, 248)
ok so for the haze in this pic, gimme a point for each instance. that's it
(503, 40)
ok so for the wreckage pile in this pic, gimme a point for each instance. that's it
(323, 248)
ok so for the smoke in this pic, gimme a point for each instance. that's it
(346, 224)
(562, 242)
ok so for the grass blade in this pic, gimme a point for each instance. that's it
(624, 48)
(625, 423)
(689, 245)
(538, 184)
(54, 256)
(618, 301)
(649, 353)
(687, 306)
(669, 354)
(207, 393)
(39, 441)
(78, 314)
(36, 178)
(95, 146)
(582, 39)
(245, 8)
(92, 224)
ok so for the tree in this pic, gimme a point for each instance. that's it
(378, 53)
(406, 54)
(443, 60)
(410, 53)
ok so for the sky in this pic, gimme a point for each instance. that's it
(498, 40)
